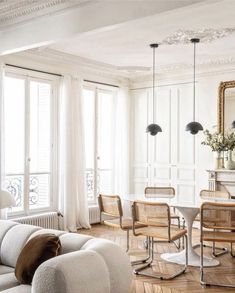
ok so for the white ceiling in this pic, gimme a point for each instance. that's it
(127, 44)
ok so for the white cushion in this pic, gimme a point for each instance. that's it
(117, 261)
(14, 241)
(72, 242)
(46, 231)
(19, 289)
(80, 271)
(4, 227)
(5, 269)
(8, 281)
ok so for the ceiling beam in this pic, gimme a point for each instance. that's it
(95, 15)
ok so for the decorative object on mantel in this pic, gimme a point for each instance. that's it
(194, 127)
(230, 140)
(153, 128)
(220, 143)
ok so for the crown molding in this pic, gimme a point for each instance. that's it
(66, 62)
(20, 11)
(63, 63)
(183, 72)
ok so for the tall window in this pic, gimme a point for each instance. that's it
(28, 142)
(99, 119)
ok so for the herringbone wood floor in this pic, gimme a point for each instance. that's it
(188, 282)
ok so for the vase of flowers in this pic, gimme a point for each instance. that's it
(216, 141)
(220, 143)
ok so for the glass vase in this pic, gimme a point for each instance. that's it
(219, 160)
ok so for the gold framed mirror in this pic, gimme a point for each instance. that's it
(226, 105)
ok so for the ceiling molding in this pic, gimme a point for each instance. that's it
(67, 61)
(206, 35)
(135, 74)
(18, 11)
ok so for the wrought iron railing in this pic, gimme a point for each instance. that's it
(39, 189)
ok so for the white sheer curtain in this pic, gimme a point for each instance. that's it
(122, 135)
(2, 73)
(72, 189)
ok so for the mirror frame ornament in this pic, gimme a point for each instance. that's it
(222, 87)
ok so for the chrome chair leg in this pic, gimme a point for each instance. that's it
(203, 282)
(140, 270)
(141, 261)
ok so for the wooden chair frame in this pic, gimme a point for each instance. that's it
(202, 279)
(150, 257)
(120, 216)
(224, 250)
(172, 195)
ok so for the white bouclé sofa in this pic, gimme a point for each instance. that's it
(86, 265)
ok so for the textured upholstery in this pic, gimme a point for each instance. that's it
(46, 231)
(17, 236)
(5, 269)
(87, 265)
(85, 270)
(117, 262)
(8, 281)
(72, 242)
(19, 289)
(4, 227)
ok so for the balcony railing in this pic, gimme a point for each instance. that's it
(39, 189)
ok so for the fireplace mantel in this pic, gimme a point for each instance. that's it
(222, 179)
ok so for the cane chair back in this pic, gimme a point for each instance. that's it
(110, 205)
(151, 214)
(218, 216)
(214, 194)
(159, 192)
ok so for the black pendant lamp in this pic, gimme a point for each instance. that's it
(153, 128)
(193, 127)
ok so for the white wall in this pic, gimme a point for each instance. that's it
(206, 114)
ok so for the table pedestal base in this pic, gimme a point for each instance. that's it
(193, 259)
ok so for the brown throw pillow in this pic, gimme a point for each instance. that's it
(36, 251)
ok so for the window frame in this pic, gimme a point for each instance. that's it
(97, 88)
(28, 76)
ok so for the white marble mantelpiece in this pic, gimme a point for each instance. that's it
(222, 179)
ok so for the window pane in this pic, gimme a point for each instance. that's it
(14, 132)
(105, 141)
(40, 144)
(89, 122)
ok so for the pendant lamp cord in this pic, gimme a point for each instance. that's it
(153, 84)
(194, 80)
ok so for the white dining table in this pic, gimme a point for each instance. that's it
(189, 212)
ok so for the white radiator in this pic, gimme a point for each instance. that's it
(49, 220)
(94, 215)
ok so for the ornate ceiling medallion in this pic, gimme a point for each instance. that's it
(205, 35)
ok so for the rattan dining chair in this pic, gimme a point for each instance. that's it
(156, 216)
(164, 192)
(217, 222)
(207, 194)
(111, 206)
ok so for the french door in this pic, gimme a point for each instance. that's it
(28, 142)
(99, 112)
